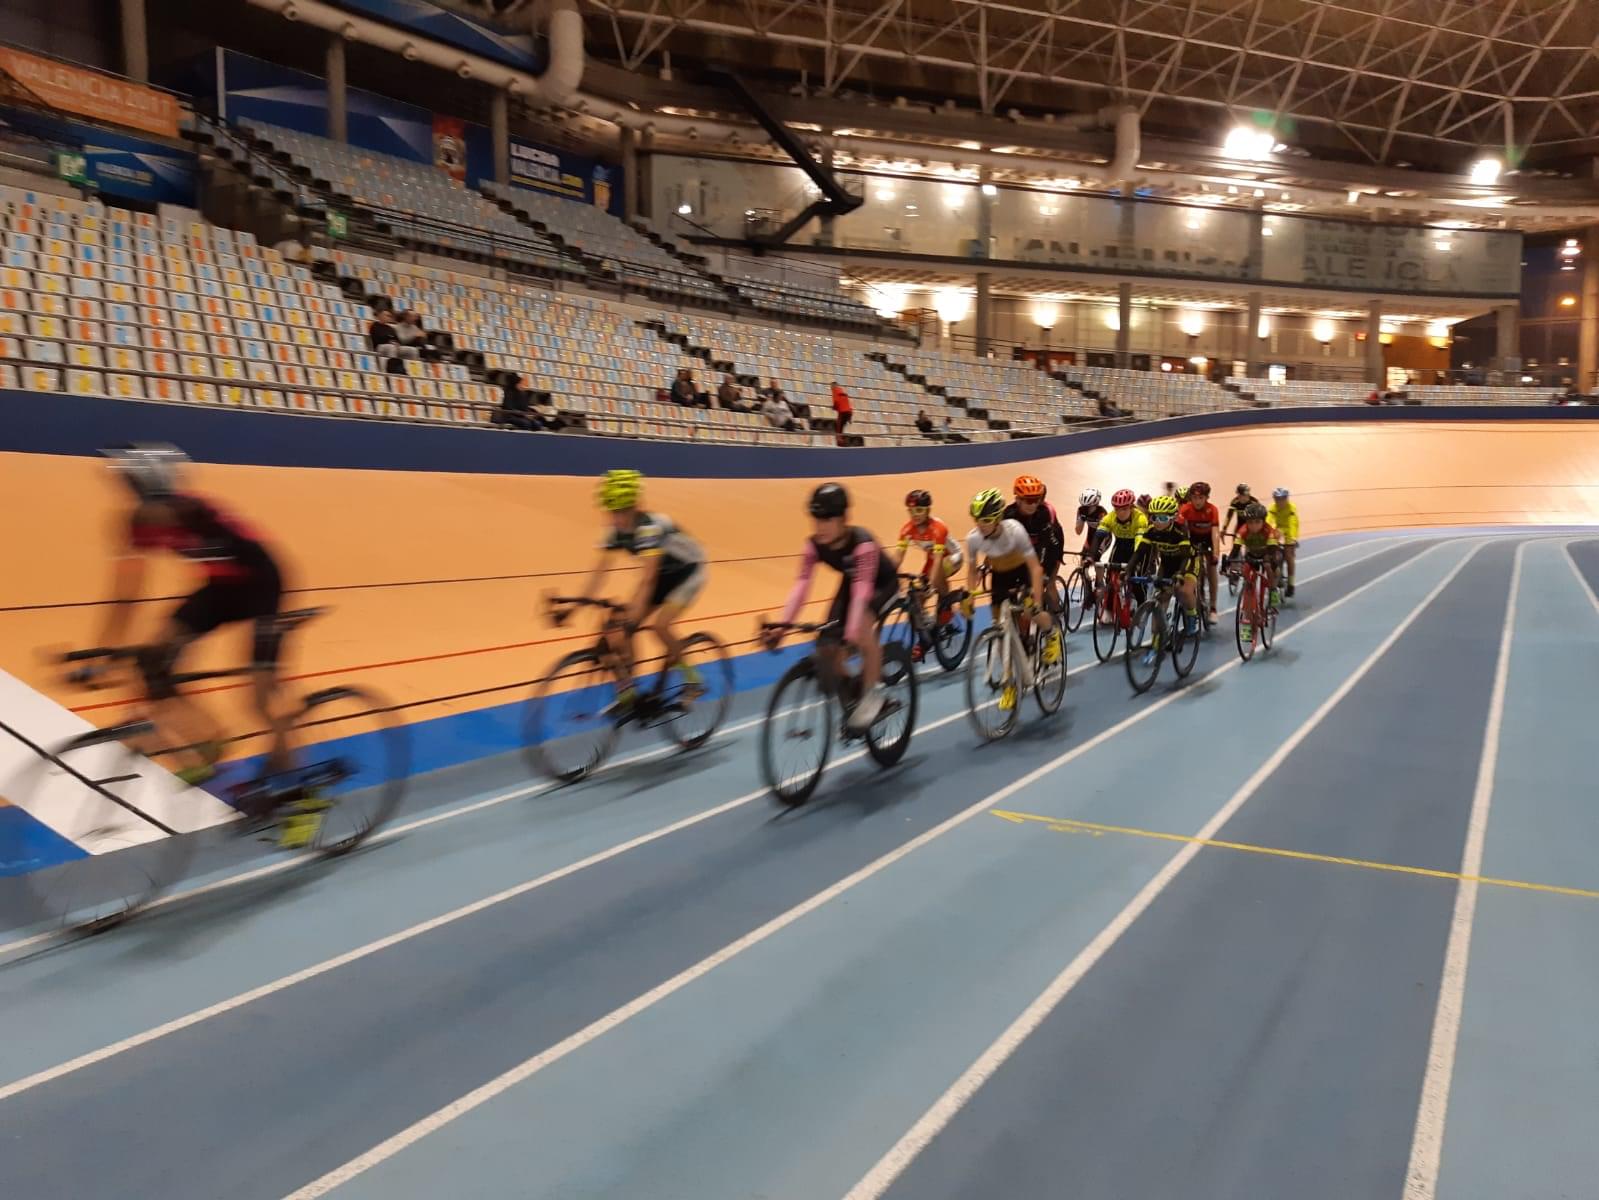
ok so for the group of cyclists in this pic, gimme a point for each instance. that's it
(1177, 535)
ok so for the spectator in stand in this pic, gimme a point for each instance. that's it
(729, 397)
(516, 406)
(385, 342)
(774, 391)
(777, 412)
(924, 422)
(1375, 397)
(843, 411)
(686, 393)
(434, 344)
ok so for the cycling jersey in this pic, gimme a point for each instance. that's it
(1200, 521)
(1286, 517)
(1091, 515)
(1043, 528)
(1127, 530)
(1255, 544)
(1171, 544)
(1235, 511)
(224, 548)
(1007, 549)
(933, 537)
(869, 579)
(655, 535)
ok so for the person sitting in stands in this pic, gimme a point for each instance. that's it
(729, 397)
(924, 423)
(385, 342)
(777, 412)
(684, 391)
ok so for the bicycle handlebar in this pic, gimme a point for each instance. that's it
(798, 626)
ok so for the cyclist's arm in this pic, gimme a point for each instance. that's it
(1035, 572)
(591, 586)
(127, 584)
(1077, 529)
(802, 584)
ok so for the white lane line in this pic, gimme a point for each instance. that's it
(1427, 1140)
(887, 1169)
(576, 1041)
(16, 947)
(355, 955)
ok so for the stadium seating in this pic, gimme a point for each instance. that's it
(1463, 393)
(1152, 394)
(1014, 392)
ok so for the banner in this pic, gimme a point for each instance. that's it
(449, 146)
(460, 29)
(114, 163)
(569, 176)
(91, 94)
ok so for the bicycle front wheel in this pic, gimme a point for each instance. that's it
(952, 639)
(1244, 625)
(1184, 645)
(1079, 599)
(356, 735)
(567, 728)
(1107, 628)
(891, 733)
(1049, 679)
(695, 709)
(1144, 647)
(797, 735)
(990, 687)
(123, 855)
(899, 626)
(1268, 622)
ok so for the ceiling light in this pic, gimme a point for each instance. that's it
(1248, 145)
(1045, 313)
(990, 190)
(684, 209)
(1485, 171)
(1191, 323)
(1266, 231)
(885, 193)
(1354, 197)
(1263, 326)
(1568, 302)
(1323, 331)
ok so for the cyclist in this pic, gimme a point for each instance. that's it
(1122, 525)
(1090, 512)
(242, 583)
(1170, 554)
(673, 576)
(1203, 521)
(930, 535)
(869, 585)
(1242, 499)
(1014, 565)
(1143, 503)
(1035, 514)
(1260, 540)
(1285, 517)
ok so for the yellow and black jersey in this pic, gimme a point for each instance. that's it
(1127, 530)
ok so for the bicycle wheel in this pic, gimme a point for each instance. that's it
(1079, 600)
(987, 681)
(123, 854)
(797, 734)
(1184, 645)
(952, 639)
(1243, 624)
(1049, 679)
(567, 728)
(1203, 597)
(1268, 624)
(691, 720)
(899, 627)
(357, 738)
(1107, 628)
(1144, 648)
(1056, 595)
(890, 734)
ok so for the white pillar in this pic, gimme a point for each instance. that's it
(135, 41)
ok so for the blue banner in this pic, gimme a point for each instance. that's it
(567, 175)
(116, 164)
(453, 29)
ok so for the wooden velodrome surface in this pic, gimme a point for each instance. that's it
(434, 580)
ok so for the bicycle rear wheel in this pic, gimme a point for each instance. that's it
(567, 726)
(987, 681)
(1049, 679)
(123, 856)
(357, 733)
(891, 733)
(899, 628)
(952, 639)
(1184, 645)
(691, 720)
(1144, 649)
(1107, 628)
(1268, 623)
(797, 735)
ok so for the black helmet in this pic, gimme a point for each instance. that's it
(829, 500)
(1255, 511)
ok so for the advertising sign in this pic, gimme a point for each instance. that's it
(91, 94)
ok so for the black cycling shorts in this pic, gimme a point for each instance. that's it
(223, 601)
(1122, 552)
(1174, 566)
(882, 597)
(1016, 582)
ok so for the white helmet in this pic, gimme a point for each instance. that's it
(1279, 493)
(151, 468)
(1089, 498)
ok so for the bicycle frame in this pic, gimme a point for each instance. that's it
(1015, 652)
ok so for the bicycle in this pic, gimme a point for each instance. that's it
(1113, 610)
(139, 833)
(1079, 591)
(906, 623)
(800, 712)
(1002, 664)
(575, 707)
(1154, 634)
(1256, 599)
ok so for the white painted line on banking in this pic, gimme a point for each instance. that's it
(17, 947)
(916, 1139)
(1427, 1140)
(576, 1041)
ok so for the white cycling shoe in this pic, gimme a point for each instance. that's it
(867, 711)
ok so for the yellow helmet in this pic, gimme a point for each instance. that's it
(1163, 506)
(620, 489)
(988, 505)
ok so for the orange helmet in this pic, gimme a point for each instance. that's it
(1028, 487)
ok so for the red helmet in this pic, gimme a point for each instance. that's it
(1122, 499)
(1028, 487)
(918, 498)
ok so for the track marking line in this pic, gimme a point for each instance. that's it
(899, 1157)
(647, 1000)
(1073, 825)
(1432, 1111)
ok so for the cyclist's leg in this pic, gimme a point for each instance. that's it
(183, 721)
(1290, 554)
(670, 609)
